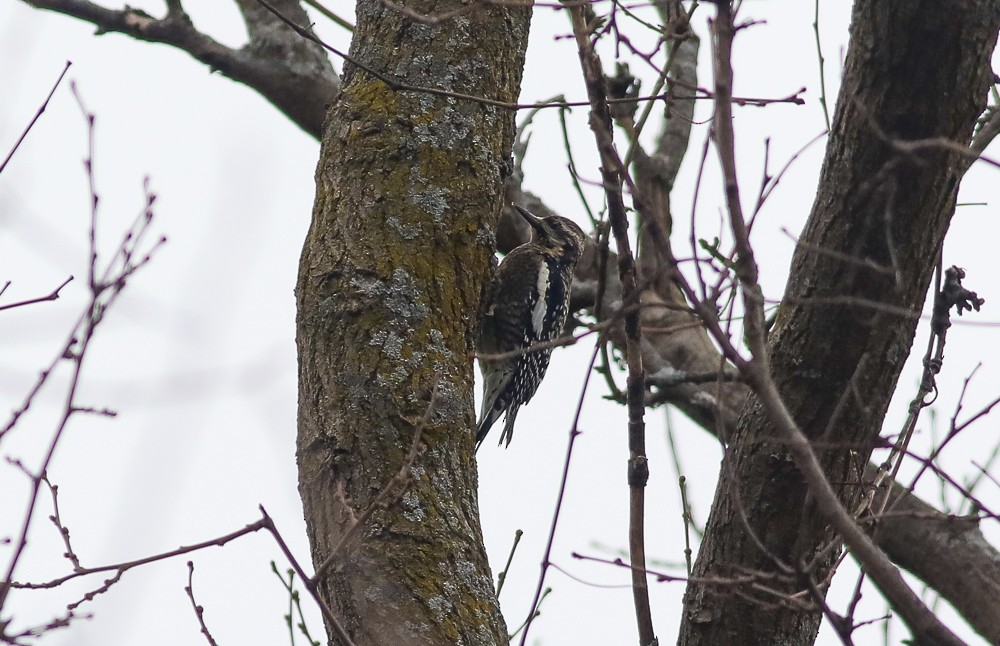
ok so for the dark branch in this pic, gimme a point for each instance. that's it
(51, 296)
(299, 87)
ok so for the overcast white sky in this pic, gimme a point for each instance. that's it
(198, 356)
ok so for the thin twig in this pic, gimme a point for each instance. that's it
(199, 611)
(688, 521)
(822, 75)
(291, 597)
(294, 606)
(51, 296)
(613, 172)
(37, 116)
(571, 166)
(534, 615)
(953, 431)
(745, 263)
(502, 577)
(388, 496)
(949, 293)
(888, 579)
(56, 519)
(103, 293)
(769, 182)
(573, 433)
(603, 258)
(331, 619)
(329, 14)
(125, 566)
(589, 584)
(837, 622)
(506, 105)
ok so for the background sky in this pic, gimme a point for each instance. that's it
(198, 356)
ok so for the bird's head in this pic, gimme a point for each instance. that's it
(562, 236)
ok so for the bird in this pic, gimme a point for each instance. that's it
(530, 304)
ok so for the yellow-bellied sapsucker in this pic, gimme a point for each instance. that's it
(530, 305)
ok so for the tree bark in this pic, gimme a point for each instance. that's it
(289, 71)
(265, 68)
(915, 70)
(390, 281)
(916, 535)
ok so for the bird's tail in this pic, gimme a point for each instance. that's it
(508, 426)
(494, 384)
(485, 423)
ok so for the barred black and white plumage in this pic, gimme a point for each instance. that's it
(530, 305)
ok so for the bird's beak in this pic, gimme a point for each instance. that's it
(532, 219)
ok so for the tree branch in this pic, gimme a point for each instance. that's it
(299, 85)
(612, 172)
(826, 332)
(965, 568)
(716, 405)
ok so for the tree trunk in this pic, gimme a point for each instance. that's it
(400, 247)
(914, 70)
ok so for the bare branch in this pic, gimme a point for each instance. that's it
(613, 173)
(125, 566)
(397, 86)
(331, 619)
(34, 119)
(925, 625)
(199, 611)
(299, 87)
(56, 519)
(540, 589)
(757, 370)
(104, 291)
(907, 539)
(329, 14)
(51, 296)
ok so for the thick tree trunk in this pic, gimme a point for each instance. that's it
(408, 192)
(914, 70)
(291, 73)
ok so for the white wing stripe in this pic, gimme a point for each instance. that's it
(541, 305)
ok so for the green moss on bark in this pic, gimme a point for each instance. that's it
(389, 284)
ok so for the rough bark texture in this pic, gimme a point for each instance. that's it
(400, 247)
(914, 70)
(291, 72)
(276, 64)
